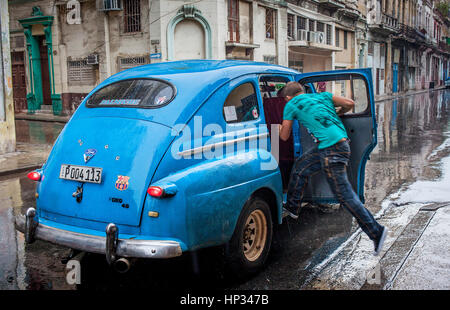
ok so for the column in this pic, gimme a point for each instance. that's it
(388, 67)
(35, 97)
(56, 98)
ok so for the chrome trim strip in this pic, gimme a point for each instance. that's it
(208, 147)
(97, 244)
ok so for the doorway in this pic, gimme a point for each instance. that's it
(45, 75)
(19, 81)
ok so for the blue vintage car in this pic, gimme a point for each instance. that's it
(168, 158)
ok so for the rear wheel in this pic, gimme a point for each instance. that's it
(249, 246)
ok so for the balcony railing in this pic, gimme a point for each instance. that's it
(389, 21)
(332, 4)
(384, 22)
(443, 46)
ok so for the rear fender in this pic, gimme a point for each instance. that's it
(209, 199)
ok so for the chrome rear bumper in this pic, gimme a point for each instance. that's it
(109, 245)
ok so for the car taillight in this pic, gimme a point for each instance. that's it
(155, 191)
(34, 175)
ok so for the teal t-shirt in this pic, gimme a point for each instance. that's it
(317, 113)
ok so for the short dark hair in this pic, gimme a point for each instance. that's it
(291, 89)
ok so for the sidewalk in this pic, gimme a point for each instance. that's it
(43, 117)
(27, 157)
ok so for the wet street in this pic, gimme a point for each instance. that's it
(409, 130)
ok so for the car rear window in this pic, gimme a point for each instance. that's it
(137, 93)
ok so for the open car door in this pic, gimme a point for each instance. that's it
(360, 124)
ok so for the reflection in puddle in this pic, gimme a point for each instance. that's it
(36, 132)
(409, 128)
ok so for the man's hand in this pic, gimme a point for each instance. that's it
(339, 111)
(344, 104)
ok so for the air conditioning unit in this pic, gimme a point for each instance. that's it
(92, 59)
(302, 35)
(109, 5)
(313, 36)
(320, 37)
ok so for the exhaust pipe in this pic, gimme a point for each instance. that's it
(122, 265)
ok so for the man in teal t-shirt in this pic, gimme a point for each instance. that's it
(319, 113)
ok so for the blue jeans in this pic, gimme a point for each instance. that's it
(333, 161)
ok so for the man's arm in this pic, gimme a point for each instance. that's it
(344, 103)
(285, 130)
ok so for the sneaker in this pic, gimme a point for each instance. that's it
(286, 212)
(379, 243)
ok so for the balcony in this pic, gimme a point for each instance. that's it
(332, 4)
(419, 35)
(408, 32)
(313, 40)
(351, 10)
(384, 24)
(444, 47)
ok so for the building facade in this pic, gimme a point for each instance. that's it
(61, 49)
(7, 126)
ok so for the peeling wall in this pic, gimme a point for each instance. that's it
(7, 128)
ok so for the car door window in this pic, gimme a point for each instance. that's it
(350, 86)
(269, 85)
(241, 104)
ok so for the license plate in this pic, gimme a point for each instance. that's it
(81, 173)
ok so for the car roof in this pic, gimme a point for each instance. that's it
(194, 80)
(208, 69)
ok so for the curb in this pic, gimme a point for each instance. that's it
(20, 170)
(41, 117)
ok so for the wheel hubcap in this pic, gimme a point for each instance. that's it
(255, 234)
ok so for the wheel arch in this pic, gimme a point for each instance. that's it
(271, 198)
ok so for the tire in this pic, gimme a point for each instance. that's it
(249, 246)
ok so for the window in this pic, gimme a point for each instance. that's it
(349, 85)
(329, 34)
(337, 37)
(311, 25)
(270, 85)
(296, 65)
(80, 73)
(17, 42)
(345, 39)
(370, 48)
(127, 63)
(270, 59)
(320, 27)
(301, 23)
(135, 93)
(290, 26)
(270, 23)
(233, 20)
(132, 16)
(241, 104)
